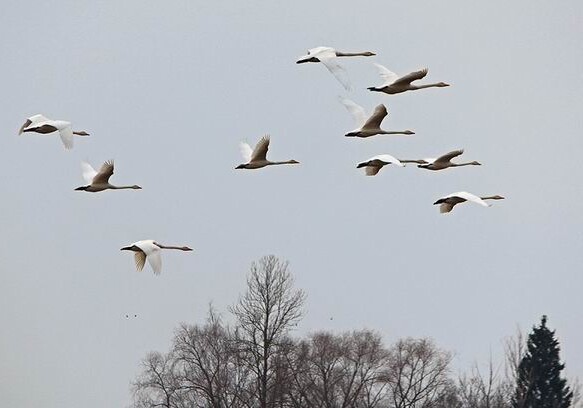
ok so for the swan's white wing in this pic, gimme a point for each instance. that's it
(448, 156)
(260, 151)
(372, 170)
(355, 110)
(155, 261)
(470, 197)
(388, 76)
(38, 119)
(88, 172)
(387, 158)
(140, 259)
(66, 134)
(246, 151)
(337, 70)
(374, 122)
(105, 172)
(445, 207)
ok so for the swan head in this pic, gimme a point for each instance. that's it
(185, 248)
(368, 54)
(135, 187)
(408, 132)
(82, 188)
(497, 197)
(441, 84)
(475, 163)
(81, 133)
(293, 162)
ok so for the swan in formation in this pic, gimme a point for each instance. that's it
(150, 249)
(369, 126)
(99, 181)
(328, 57)
(442, 162)
(373, 165)
(449, 201)
(257, 158)
(43, 125)
(394, 84)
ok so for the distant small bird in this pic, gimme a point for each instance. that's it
(395, 84)
(43, 125)
(373, 165)
(449, 201)
(327, 56)
(151, 250)
(443, 162)
(372, 125)
(99, 181)
(257, 158)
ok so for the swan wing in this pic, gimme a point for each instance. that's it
(260, 151)
(33, 121)
(388, 159)
(88, 172)
(374, 122)
(66, 134)
(413, 76)
(446, 158)
(140, 259)
(354, 109)
(246, 151)
(445, 207)
(372, 170)
(105, 172)
(331, 62)
(155, 261)
(470, 197)
(387, 75)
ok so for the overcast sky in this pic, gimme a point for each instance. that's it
(168, 89)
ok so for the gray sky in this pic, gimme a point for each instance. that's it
(168, 89)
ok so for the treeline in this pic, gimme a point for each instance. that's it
(256, 363)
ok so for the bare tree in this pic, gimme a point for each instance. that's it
(208, 364)
(418, 373)
(265, 314)
(339, 371)
(157, 386)
(489, 390)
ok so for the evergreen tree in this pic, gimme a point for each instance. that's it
(539, 382)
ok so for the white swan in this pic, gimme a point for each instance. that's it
(257, 158)
(99, 181)
(373, 165)
(449, 201)
(150, 249)
(43, 125)
(394, 84)
(328, 57)
(371, 126)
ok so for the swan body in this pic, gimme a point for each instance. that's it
(150, 250)
(373, 165)
(444, 161)
(394, 84)
(328, 57)
(449, 201)
(370, 126)
(99, 181)
(40, 124)
(257, 158)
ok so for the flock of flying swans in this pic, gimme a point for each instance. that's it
(368, 125)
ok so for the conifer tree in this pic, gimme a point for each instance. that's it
(539, 382)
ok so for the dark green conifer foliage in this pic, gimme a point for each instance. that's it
(539, 382)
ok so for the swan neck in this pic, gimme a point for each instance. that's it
(350, 54)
